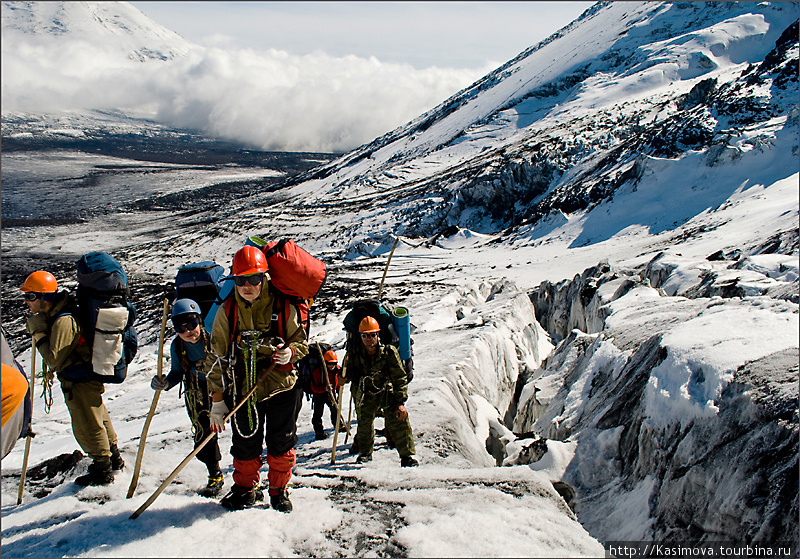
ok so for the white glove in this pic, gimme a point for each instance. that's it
(218, 412)
(283, 356)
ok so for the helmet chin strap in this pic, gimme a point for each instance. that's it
(41, 300)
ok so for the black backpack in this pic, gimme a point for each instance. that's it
(374, 308)
(308, 364)
(388, 336)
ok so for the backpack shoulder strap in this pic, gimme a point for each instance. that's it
(280, 308)
(296, 302)
(232, 310)
(183, 355)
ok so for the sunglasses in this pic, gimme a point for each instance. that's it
(33, 295)
(182, 327)
(366, 335)
(252, 280)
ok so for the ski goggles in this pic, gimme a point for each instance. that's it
(366, 335)
(252, 280)
(33, 295)
(186, 325)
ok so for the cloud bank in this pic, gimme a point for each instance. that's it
(269, 100)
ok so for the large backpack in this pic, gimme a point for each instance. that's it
(295, 276)
(292, 270)
(312, 363)
(387, 335)
(106, 319)
(203, 283)
(374, 308)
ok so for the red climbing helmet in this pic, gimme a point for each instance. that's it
(249, 260)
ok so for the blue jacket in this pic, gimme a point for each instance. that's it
(186, 364)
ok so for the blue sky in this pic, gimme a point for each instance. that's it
(423, 34)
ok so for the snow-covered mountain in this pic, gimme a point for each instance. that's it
(600, 255)
(624, 92)
(123, 29)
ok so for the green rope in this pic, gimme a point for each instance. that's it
(47, 389)
(191, 406)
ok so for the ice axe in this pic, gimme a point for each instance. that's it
(29, 435)
(349, 415)
(339, 416)
(386, 269)
(210, 436)
(159, 368)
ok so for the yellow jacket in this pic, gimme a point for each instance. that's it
(59, 346)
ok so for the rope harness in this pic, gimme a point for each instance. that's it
(247, 343)
(192, 393)
(381, 390)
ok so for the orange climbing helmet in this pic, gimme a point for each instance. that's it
(249, 260)
(369, 324)
(40, 282)
(330, 357)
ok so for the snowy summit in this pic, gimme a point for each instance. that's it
(598, 247)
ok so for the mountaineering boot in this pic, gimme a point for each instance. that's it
(241, 497)
(281, 502)
(408, 462)
(320, 435)
(117, 463)
(215, 483)
(364, 458)
(100, 473)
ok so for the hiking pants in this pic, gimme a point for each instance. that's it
(318, 403)
(198, 409)
(91, 424)
(273, 422)
(400, 431)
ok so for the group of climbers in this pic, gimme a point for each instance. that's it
(254, 346)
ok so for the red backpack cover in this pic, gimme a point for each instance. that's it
(292, 270)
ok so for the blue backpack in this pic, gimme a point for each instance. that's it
(106, 319)
(203, 283)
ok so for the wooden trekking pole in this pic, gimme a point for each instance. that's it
(28, 436)
(159, 369)
(349, 415)
(331, 395)
(210, 436)
(338, 416)
(386, 269)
